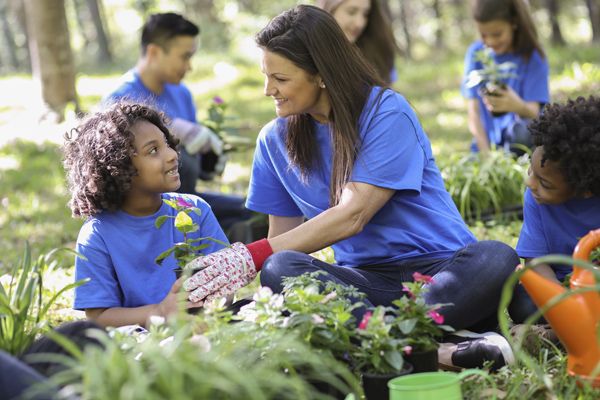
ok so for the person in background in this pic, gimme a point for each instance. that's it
(562, 200)
(121, 164)
(365, 24)
(168, 43)
(347, 164)
(506, 27)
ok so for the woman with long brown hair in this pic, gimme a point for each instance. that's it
(347, 164)
(365, 24)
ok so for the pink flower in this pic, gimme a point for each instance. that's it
(436, 317)
(218, 100)
(407, 350)
(365, 320)
(183, 203)
(408, 292)
(419, 277)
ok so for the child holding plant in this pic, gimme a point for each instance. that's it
(562, 200)
(121, 164)
(507, 29)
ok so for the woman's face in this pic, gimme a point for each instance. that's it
(497, 34)
(353, 16)
(294, 90)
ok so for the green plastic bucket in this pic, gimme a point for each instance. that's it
(432, 385)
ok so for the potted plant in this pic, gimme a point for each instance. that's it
(378, 355)
(491, 75)
(419, 324)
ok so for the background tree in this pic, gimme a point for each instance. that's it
(90, 18)
(51, 56)
(593, 7)
(556, 37)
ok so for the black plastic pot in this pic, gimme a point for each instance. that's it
(423, 361)
(375, 385)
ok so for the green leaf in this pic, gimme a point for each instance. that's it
(160, 221)
(183, 221)
(394, 358)
(407, 325)
(161, 257)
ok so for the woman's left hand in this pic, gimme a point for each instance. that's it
(503, 100)
(222, 274)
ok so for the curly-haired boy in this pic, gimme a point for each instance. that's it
(562, 200)
(121, 163)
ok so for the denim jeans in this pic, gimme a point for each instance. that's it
(521, 306)
(471, 279)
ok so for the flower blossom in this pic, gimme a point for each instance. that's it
(436, 316)
(365, 320)
(183, 203)
(407, 350)
(408, 292)
(218, 100)
(419, 277)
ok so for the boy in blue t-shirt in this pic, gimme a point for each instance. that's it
(562, 202)
(121, 163)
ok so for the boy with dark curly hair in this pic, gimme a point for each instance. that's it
(121, 163)
(562, 200)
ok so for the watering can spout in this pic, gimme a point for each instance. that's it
(575, 318)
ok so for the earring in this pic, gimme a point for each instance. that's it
(322, 85)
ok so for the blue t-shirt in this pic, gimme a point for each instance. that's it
(420, 220)
(556, 229)
(530, 83)
(120, 250)
(175, 101)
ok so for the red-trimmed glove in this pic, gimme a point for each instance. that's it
(226, 271)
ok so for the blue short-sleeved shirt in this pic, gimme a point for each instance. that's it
(120, 250)
(175, 101)
(530, 83)
(556, 229)
(420, 220)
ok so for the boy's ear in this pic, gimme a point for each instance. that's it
(587, 195)
(152, 51)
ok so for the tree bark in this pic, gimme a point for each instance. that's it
(10, 46)
(553, 10)
(104, 54)
(594, 13)
(437, 10)
(51, 56)
(405, 29)
(17, 11)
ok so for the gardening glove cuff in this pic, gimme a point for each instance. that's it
(225, 271)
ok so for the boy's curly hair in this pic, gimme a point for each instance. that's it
(97, 156)
(570, 134)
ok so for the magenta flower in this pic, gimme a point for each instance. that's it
(365, 320)
(408, 292)
(183, 203)
(407, 350)
(419, 277)
(436, 317)
(218, 100)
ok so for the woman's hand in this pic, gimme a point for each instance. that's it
(503, 100)
(222, 273)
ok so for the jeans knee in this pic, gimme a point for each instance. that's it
(501, 257)
(279, 265)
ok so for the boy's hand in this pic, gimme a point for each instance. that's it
(503, 100)
(223, 273)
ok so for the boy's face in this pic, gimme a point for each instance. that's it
(156, 163)
(173, 62)
(547, 183)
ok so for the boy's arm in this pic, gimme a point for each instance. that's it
(121, 316)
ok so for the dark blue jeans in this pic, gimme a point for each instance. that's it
(471, 280)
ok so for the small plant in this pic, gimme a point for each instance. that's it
(492, 74)
(485, 186)
(23, 308)
(189, 249)
(218, 122)
(414, 320)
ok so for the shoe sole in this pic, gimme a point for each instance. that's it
(494, 338)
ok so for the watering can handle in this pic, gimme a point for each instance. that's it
(586, 244)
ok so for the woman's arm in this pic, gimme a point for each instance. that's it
(280, 225)
(358, 204)
(476, 127)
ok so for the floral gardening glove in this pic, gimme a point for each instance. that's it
(225, 271)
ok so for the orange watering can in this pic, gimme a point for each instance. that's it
(574, 319)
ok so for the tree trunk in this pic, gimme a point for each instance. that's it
(437, 10)
(553, 10)
(405, 30)
(594, 12)
(51, 56)
(82, 17)
(104, 54)
(9, 39)
(17, 11)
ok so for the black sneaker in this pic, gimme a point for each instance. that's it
(472, 350)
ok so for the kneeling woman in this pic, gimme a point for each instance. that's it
(346, 164)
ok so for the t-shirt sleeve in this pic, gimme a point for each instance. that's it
(94, 263)
(392, 154)
(535, 84)
(532, 239)
(266, 192)
(469, 65)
